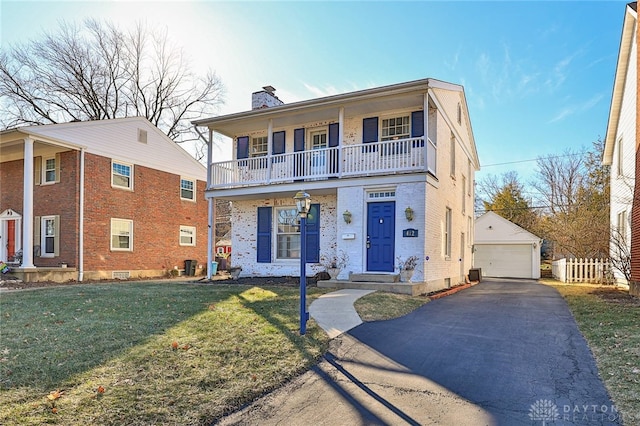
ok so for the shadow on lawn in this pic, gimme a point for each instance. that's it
(314, 336)
(50, 335)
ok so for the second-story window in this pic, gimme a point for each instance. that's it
(259, 146)
(396, 128)
(187, 189)
(121, 175)
(49, 171)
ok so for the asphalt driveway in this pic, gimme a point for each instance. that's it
(500, 353)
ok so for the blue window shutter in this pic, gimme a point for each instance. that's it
(370, 130)
(333, 134)
(417, 127)
(298, 140)
(264, 235)
(417, 124)
(243, 147)
(313, 234)
(278, 142)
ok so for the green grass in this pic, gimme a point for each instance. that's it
(233, 344)
(609, 319)
(380, 306)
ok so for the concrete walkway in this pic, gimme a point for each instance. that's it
(334, 311)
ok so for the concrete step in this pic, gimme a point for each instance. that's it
(374, 278)
(413, 289)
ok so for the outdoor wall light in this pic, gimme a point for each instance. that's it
(347, 216)
(303, 203)
(408, 212)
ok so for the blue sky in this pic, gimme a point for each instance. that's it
(538, 76)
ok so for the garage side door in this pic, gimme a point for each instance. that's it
(507, 261)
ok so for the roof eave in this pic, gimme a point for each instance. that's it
(360, 95)
(626, 41)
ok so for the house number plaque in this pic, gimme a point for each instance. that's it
(410, 232)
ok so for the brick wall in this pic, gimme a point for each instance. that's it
(48, 200)
(635, 212)
(154, 206)
(157, 212)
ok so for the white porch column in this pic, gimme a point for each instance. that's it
(269, 148)
(27, 206)
(425, 119)
(210, 213)
(340, 138)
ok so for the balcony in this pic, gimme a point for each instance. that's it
(370, 159)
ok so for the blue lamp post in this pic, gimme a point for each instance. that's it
(303, 204)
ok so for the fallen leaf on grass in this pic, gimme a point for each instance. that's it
(53, 395)
(174, 345)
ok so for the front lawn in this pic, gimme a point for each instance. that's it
(609, 319)
(140, 353)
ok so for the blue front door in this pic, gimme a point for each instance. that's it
(381, 226)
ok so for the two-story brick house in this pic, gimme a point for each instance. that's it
(390, 171)
(106, 199)
(621, 148)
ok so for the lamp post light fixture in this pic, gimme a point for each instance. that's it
(303, 204)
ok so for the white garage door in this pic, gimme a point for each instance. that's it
(498, 260)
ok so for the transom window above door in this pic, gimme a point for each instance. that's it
(396, 128)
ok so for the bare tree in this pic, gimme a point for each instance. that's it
(574, 189)
(620, 254)
(505, 196)
(98, 71)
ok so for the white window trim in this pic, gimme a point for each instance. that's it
(264, 153)
(193, 239)
(447, 237)
(113, 185)
(195, 183)
(43, 236)
(620, 157)
(391, 116)
(276, 234)
(130, 248)
(43, 180)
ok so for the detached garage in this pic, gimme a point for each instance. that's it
(503, 249)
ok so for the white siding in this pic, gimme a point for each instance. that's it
(622, 182)
(118, 139)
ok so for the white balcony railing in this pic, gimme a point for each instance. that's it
(388, 157)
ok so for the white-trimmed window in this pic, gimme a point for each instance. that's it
(396, 128)
(121, 175)
(259, 146)
(464, 194)
(622, 225)
(452, 164)
(447, 233)
(187, 235)
(121, 235)
(49, 170)
(187, 189)
(620, 158)
(49, 236)
(287, 233)
(459, 113)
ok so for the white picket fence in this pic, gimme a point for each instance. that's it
(596, 271)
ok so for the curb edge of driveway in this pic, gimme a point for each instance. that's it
(453, 290)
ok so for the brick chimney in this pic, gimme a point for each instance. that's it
(265, 98)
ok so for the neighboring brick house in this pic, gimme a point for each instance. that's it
(107, 199)
(621, 143)
(390, 172)
(635, 219)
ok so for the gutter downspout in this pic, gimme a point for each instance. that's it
(210, 215)
(81, 220)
